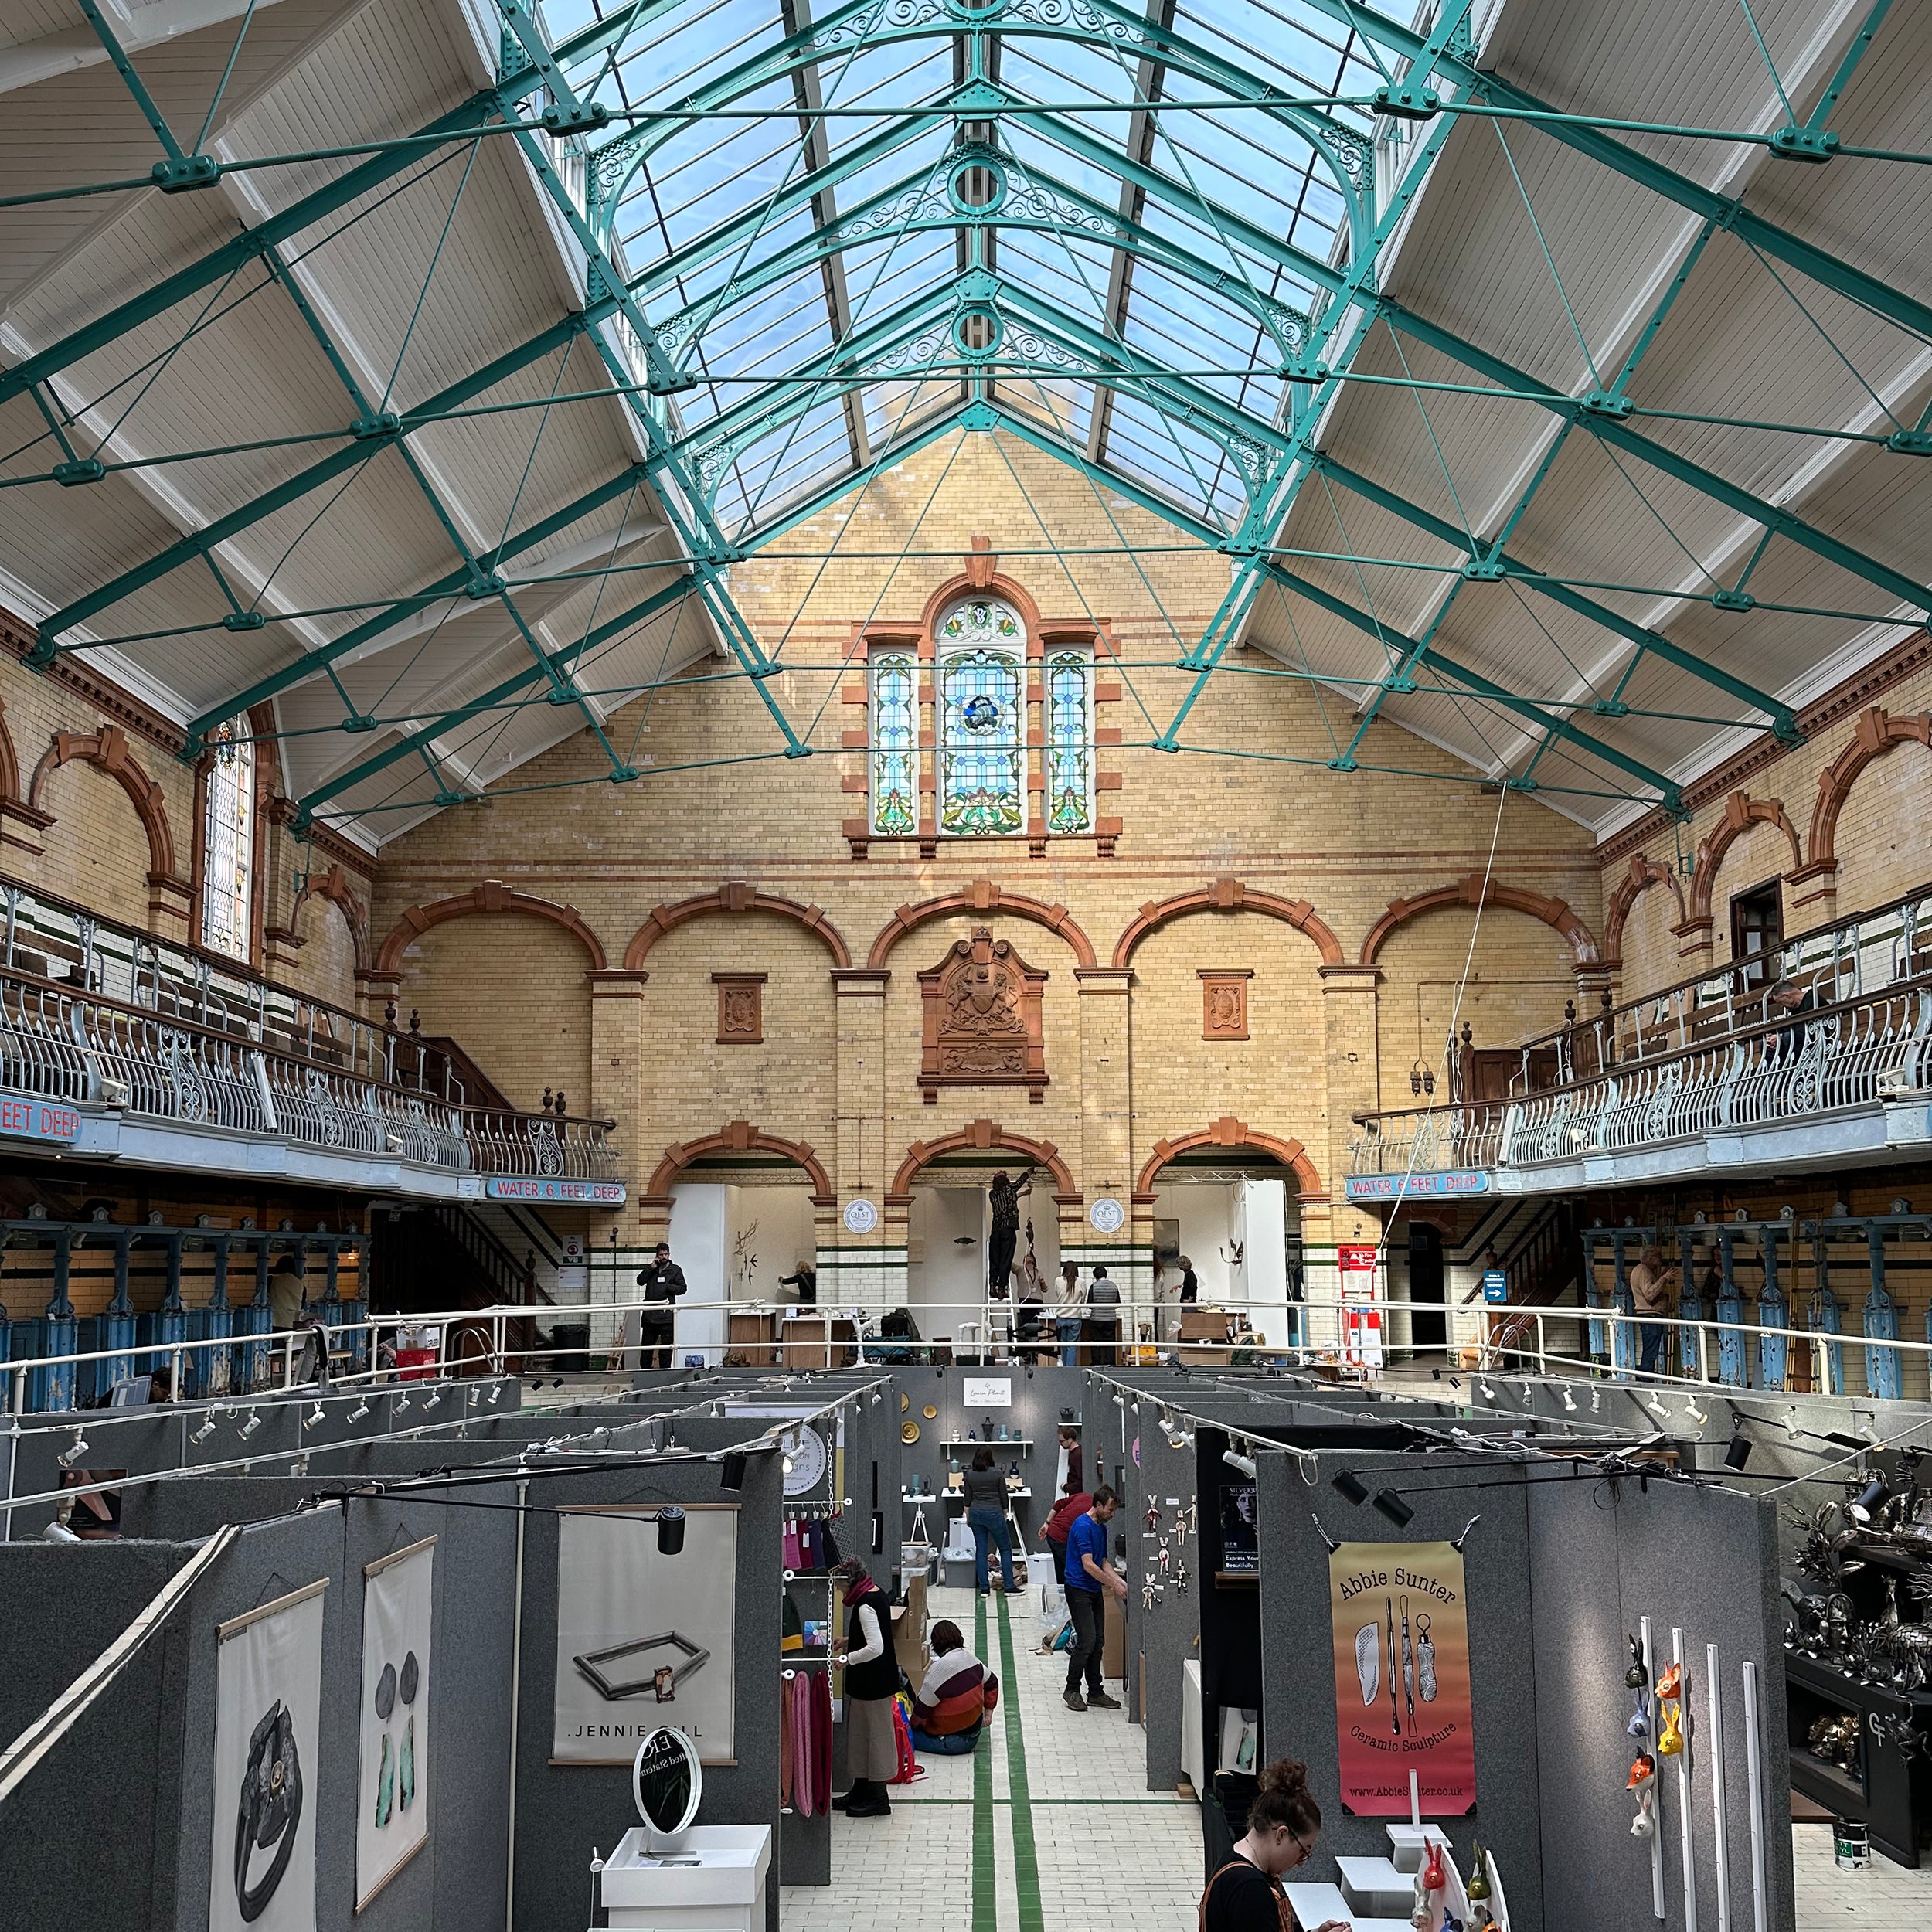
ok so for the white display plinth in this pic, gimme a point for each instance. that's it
(715, 1879)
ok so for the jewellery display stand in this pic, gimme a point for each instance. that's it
(714, 1881)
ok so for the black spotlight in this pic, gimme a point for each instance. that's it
(1391, 1503)
(731, 1471)
(670, 1532)
(1348, 1484)
(1861, 1506)
(1739, 1453)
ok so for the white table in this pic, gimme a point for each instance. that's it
(715, 1880)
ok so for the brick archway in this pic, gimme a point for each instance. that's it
(740, 1137)
(1229, 1132)
(1741, 812)
(1229, 895)
(333, 886)
(734, 895)
(106, 750)
(1643, 874)
(981, 1134)
(492, 897)
(1876, 734)
(1473, 890)
(982, 897)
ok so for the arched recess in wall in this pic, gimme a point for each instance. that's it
(733, 896)
(1876, 736)
(740, 1137)
(983, 897)
(1473, 890)
(980, 1136)
(1741, 812)
(1230, 1134)
(106, 750)
(1643, 874)
(321, 964)
(492, 897)
(1229, 895)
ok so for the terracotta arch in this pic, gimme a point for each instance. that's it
(1741, 812)
(491, 896)
(9, 764)
(1229, 1132)
(106, 750)
(981, 1133)
(733, 896)
(982, 895)
(740, 1137)
(1643, 874)
(1876, 734)
(1472, 890)
(1229, 895)
(333, 886)
(980, 576)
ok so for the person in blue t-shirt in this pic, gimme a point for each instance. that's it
(1088, 1574)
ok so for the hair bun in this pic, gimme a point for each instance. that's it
(1286, 1775)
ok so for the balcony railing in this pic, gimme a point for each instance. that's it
(66, 1046)
(1831, 966)
(1811, 1065)
(49, 938)
(1832, 1021)
(1429, 1140)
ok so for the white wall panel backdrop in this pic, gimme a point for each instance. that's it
(394, 1761)
(268, 1701)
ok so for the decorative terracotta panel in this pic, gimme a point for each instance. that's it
(1224, 1003)
(741, 999)
(982, 1019)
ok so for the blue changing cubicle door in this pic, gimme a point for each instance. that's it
(1773, 1312)
(1731, 1314)
(1884, 1374)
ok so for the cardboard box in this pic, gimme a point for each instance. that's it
(1114, 1639)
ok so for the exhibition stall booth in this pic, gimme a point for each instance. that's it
(413, 1690)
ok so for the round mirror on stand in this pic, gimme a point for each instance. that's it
(667, 1781)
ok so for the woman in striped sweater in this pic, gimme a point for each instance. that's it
(953, 1700)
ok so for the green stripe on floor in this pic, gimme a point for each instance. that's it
(985, 1878)
(1025, 1866)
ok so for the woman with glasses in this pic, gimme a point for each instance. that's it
(1245, 1895)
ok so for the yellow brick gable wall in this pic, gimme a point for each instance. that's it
(1878, 853)
(1250, 801)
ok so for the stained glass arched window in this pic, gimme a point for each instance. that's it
(1069, 742)
(982, 738)
(894, 739)
(228, 844)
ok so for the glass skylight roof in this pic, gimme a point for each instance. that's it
(801, 246)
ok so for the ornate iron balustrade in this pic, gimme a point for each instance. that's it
(1848, 1055)
(1807, 1065)
(1428, 1140)
(1830, 966)
(71, 1046)
(49, 938)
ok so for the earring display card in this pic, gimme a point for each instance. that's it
(392, 1810)
(268, 1701)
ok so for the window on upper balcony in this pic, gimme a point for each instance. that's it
(228, 844)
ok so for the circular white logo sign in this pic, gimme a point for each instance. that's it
(861, 1216)
(1107, 1214)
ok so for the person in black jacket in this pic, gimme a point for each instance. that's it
(872, 1682)
(1245, 1895)
(662, 1281)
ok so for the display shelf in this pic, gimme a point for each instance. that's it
(986, 1442)
(1894, 1798)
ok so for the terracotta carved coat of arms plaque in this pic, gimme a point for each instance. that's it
(982, 1012)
